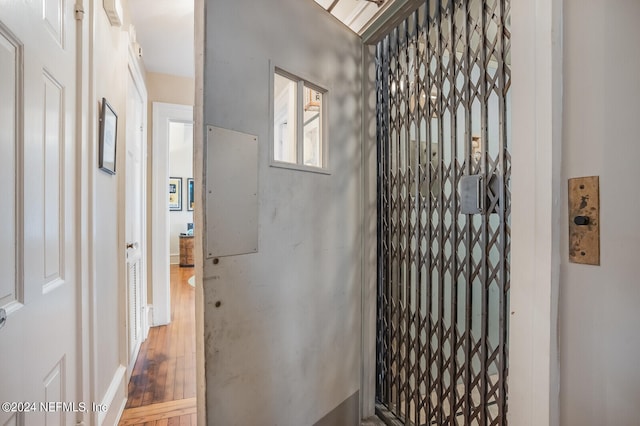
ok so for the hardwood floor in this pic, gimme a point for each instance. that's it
(162, 388)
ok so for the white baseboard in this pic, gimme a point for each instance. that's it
(174, 259)
(148, 320)
(115, 398)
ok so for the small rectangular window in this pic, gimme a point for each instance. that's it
(285, 119)
(298, 133)
(312, 147)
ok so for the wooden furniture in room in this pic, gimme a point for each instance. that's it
(186, 250)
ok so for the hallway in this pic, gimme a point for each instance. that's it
(162, 389)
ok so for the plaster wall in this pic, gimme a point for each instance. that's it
(111, 59)
(598, 310)
(286, 334)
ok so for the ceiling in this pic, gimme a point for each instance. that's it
(356, 14)
(164, 29)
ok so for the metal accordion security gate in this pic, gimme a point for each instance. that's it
(443, 120)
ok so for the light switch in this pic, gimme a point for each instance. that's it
(584, 220)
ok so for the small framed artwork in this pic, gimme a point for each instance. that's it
(175, 193)
(108, 133)
(190, 194)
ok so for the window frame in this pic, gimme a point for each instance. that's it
(302, 83)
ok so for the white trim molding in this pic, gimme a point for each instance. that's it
(115, 398)
(113, 9)
(369, 217)
(535, 267)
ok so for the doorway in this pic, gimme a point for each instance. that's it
(163, 376)
(167, 118)
(181, 192)
(443, 78)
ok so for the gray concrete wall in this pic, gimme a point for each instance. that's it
(598, 311)
(284, 345)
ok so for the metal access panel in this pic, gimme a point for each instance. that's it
(231, 193)
(443, 124)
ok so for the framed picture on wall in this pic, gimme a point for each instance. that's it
(190, 194)
(175, 194)
(108, 129)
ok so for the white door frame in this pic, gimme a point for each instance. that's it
(87, 127)
(534, 370)
(163, 114)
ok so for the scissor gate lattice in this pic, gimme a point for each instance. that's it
(443, 78)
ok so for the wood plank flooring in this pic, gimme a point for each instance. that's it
(162, 388)
(178, 412)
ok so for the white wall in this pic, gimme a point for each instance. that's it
(283, 347)
(599, 315)
(106, 63)
(180, 165)
(111, 83)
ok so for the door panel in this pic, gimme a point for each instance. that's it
(38, 237)
(135, 220)
(53, 201)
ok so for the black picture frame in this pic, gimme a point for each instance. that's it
(190, 194)
(175, 194)
(108, 138)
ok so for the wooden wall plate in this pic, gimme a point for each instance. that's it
(584, 220)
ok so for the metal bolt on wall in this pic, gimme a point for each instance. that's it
(443, 78)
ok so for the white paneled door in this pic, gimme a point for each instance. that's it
(38, 287)
(135, 218)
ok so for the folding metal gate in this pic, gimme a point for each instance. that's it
(443, 78)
